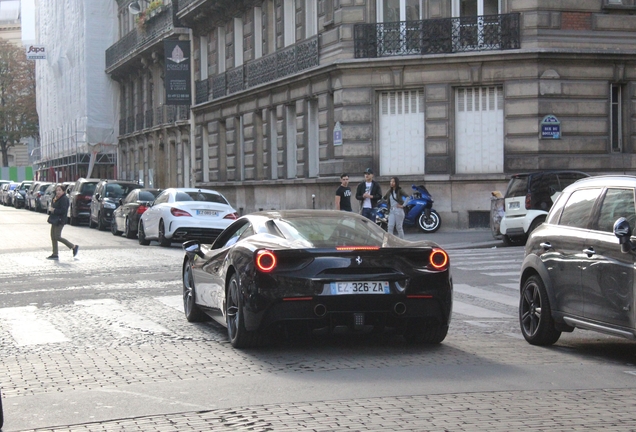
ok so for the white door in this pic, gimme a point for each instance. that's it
(402, 133)
(479, 130)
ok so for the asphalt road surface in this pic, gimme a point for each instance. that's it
(100, 342)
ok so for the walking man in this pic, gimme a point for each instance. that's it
(343, 194)
(368, 193)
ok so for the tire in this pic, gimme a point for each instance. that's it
(100, 222)
(113, 227)
(163, 241)
(141, 235)
(535, 224)
(430, 333)
(535, 314)
(90, 222)
(192, 312)
(237, 334)
(129, 234)
(74, 221)
(432, 225)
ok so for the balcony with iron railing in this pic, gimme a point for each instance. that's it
(437, 36)
(280, 64)
(152, 30)
(161, 116)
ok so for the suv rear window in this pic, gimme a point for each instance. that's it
(517, 187)
(87, 188)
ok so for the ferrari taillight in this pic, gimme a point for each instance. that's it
(438, 259)
(265, 260)
(178, 212)
(355, 248)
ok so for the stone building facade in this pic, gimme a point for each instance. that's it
(450, 93)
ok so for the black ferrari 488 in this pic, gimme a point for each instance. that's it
(323, 271)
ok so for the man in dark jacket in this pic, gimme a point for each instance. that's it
(368, 193)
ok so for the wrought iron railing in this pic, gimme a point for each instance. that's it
(291, 60)
(153, 29)
(163, 115)
(434, 36)
(149, 118)
(202, 90)
(139, 121)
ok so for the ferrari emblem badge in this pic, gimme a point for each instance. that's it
(359, 260)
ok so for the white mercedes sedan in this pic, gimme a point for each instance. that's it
(180, 214)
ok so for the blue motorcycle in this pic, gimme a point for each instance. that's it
(417, 211)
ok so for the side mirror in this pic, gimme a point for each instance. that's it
(623, 231)
(193, 247)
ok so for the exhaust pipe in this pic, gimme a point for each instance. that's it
(399, 308)
(320, 310)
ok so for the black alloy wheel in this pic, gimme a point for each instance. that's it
(237, 334)
(113, 227)
(192, 312)
(127, 232)
(141, 235)
(163, 241)
(535, 314)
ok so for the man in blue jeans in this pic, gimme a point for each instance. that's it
(368, 193)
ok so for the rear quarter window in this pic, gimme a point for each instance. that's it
(578, 209)
(517, 187)
(87, 188)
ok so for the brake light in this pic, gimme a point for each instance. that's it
(141, 209)
(178, 212)
(438, 259)
(232, 216)
(265, 260)
(84, 197)
(353, 248)
(528, 201)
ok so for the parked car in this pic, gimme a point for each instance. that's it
(319, 270)
(180, 214)
(7, 193)
(80, 195)
(27, 196)
(126, 217)
(106, 199)
(34, 196)
(576, 272)
(19, 196)
(47, 197)
(528, 199)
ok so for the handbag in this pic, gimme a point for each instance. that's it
(54, 220)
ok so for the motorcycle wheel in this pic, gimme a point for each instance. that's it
(432, 224)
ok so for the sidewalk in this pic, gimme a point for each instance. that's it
(457, 239)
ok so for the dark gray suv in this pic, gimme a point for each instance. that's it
(107, 197)
(579, 266)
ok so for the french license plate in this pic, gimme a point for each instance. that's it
(514, 205)
(338, 288)
(207, 213)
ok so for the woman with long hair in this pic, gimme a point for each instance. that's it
(396, 200)
(57, 220)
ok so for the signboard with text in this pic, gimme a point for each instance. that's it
(36, 52)
(177, 73)
(337, 134)
(550, 127)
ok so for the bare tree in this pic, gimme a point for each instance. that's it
(18, 114)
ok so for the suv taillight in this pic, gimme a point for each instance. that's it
(528, 201)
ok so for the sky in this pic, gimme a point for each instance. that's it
(28, 22)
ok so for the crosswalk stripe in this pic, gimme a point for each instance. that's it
(502, 274)
(486, 295)
(174, 302)
(27, 328)
(477, 267)
(476, 311)
(122, 321)
(514, 286)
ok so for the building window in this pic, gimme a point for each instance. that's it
(311, 18)
(313, 139)
(203, 46)
(289, 15)
(291, 149)
(258, 32)
(221, 49)
(272, 139)
(271, 27)
(616, 118)
(238, 42)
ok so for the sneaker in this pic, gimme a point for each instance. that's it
(52, 257)
(75, 249)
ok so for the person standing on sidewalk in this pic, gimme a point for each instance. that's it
(396, 200)
(57, 221)
(343, 194)
(368, 193)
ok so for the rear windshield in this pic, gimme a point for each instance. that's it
(323, 231)
(88, 188)
(200, 196)
(517, 187)
(117, 190)
(148, 195)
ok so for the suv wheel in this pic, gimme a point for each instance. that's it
(535, 313)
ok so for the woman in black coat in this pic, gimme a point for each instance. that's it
(57, 221)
